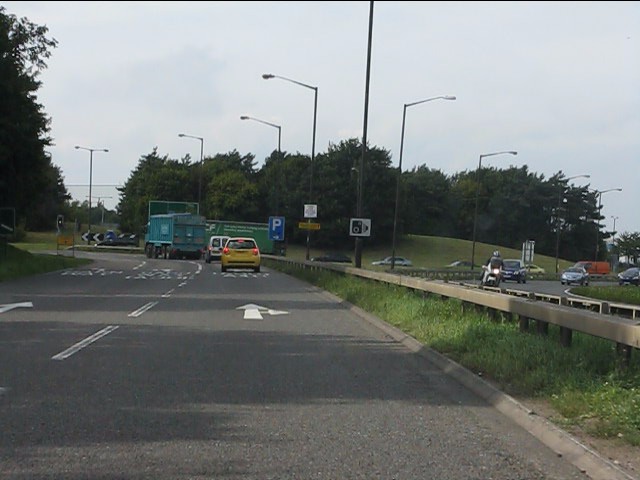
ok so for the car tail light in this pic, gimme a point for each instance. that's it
(225, 250)
(255, 251)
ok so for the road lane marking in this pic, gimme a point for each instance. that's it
(168, 294)
(11, 306)
(87, 341)
(254, 312)
(143, 309)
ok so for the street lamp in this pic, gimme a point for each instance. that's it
(268, 76)
(395, 214)
(91, 150)
(614, 226)
(201, 160)
(475, 216)
(558, 215)
(246, 117)
(599, 193)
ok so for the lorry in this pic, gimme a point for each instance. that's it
(175, 235)
(258, 231)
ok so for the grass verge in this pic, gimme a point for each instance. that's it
(16, 263)
(586, 384)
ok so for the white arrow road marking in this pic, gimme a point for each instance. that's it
(254, 312)
(11, 306)
(143, 309)
(87, 341)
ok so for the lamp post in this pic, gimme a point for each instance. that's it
(395, 214)
(614, 226)
(561, 190)
(90, 150)
(475, 216)
(599, 193)
(246, 117)
(268, 76)
(181, 135)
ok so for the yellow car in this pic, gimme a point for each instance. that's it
(531, 268)
(240, 252)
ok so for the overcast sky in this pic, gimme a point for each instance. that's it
(559, 82)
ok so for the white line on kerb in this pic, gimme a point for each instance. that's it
(87, 341)
(143, 309)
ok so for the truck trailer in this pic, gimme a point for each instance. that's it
(175, 235)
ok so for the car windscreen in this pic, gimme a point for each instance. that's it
(511, 264)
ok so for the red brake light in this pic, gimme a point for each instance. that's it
(255, 251)
(225, 250)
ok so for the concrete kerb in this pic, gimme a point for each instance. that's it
(559, 441)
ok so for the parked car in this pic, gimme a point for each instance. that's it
(399, 261)
(535, 269)
(332, 257)
(213, 251)
(631, 276)
(514, 270)
(240, 252)
(459, 264)
(577, 275)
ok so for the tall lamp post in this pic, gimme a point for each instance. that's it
(181, 135)
(246, 117)
(561, 190)
(614, 226)
(395, 214)
(475, 216)
(268, 76)
(599, 193)
(90, 150)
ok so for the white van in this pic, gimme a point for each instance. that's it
(214, 247)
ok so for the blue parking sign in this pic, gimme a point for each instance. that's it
(276, 228)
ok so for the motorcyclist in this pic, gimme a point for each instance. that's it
(495, 261)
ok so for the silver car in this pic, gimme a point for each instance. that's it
(576, 275)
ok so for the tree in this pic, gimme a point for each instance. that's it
(29, 181)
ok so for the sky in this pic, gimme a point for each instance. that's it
(558, 82)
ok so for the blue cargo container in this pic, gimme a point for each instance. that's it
(175, 235)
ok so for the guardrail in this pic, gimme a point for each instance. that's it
(570, 314)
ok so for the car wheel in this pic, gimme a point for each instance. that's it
(257, 269)
(223, 268)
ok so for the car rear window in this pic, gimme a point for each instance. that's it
(241, 244)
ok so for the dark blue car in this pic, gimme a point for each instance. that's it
(514, 270)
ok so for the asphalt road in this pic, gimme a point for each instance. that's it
(136, 368)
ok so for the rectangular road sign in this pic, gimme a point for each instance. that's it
(276, 229)
(309, 226)
(65, 240)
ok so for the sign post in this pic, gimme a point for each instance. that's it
(310, 211)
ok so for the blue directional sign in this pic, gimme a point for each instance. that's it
(276, 228)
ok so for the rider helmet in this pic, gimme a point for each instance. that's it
(496, 253)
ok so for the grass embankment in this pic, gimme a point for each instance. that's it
(586, 383)
(17, 261)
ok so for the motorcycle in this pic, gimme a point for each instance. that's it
(491, 276)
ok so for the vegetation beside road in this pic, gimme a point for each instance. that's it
(586, 384)
(21, 263)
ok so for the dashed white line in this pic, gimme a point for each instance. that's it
(143, 309)
(87, 341)
(168, 294)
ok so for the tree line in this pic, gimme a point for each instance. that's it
(514, 204)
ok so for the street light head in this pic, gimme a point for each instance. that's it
(513, 153)
(449, 97)
(244, 117)
(105, 150)
(267, 76)
(77, 147)
(181, 134)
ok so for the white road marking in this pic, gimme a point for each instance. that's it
(168, 294)
(140, 265)
(87, 341)
(254, 312)
(143, 309)
(11, 306)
